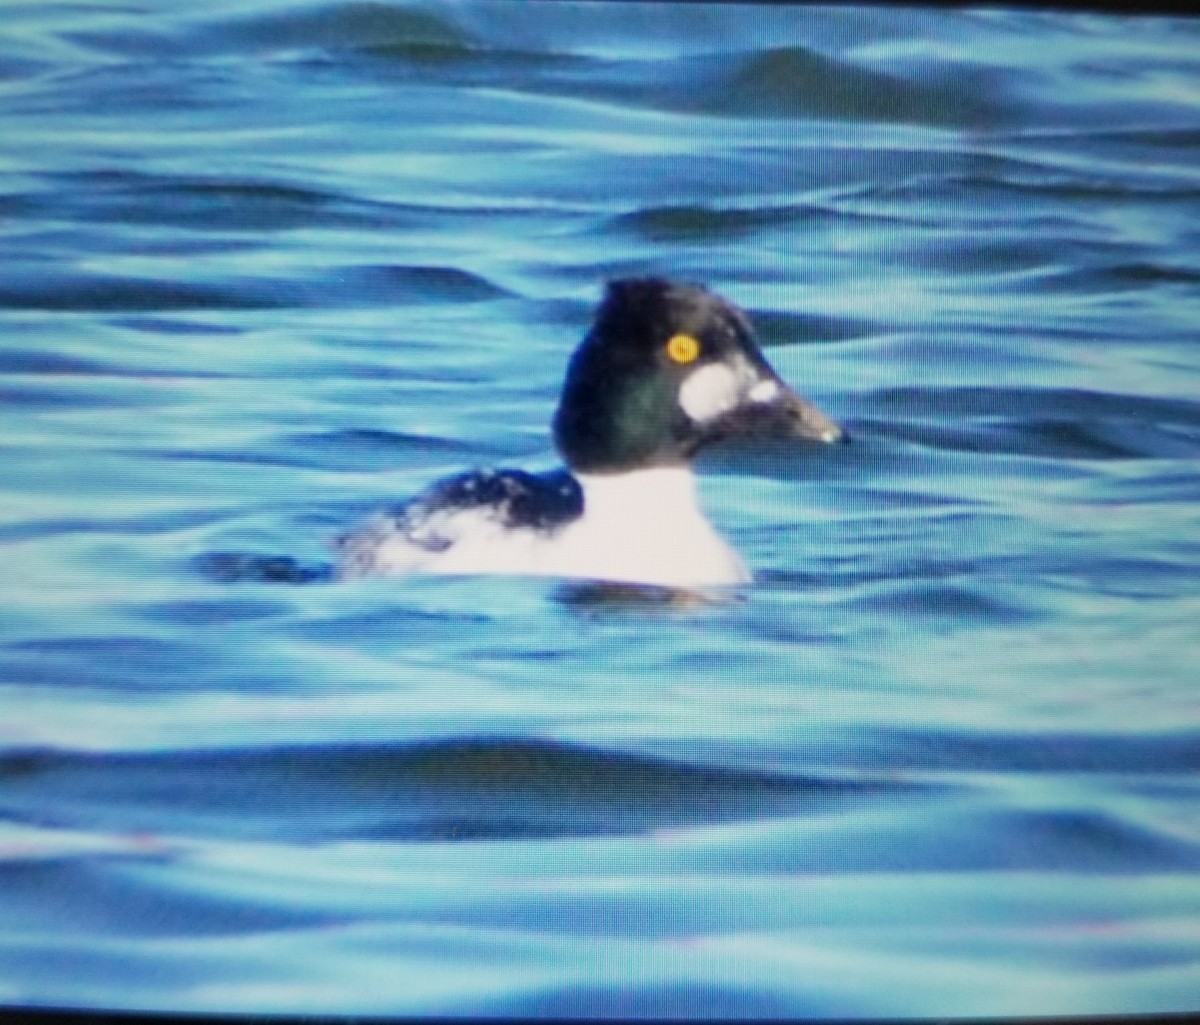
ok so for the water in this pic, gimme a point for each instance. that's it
(269, 266)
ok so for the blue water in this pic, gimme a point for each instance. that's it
(271, 265)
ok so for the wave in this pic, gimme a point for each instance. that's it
(1050, 423)
(437, 790)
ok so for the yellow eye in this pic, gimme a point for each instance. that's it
(683, 348)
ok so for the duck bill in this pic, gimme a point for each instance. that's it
(804, 420)
(773, 410)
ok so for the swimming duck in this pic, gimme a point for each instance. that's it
(665, 370)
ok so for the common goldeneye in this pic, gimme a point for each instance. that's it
(666, 369)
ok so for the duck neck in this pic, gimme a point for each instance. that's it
(657, 496)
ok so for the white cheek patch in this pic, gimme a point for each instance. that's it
(709, 392)
(765, 391)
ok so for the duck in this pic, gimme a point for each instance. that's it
(666, 370)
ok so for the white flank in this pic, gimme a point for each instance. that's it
(642, 527)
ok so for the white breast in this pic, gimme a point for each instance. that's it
(645, 527)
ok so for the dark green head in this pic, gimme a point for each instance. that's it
(666, 369)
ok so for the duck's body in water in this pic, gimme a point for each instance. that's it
(665, 370)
